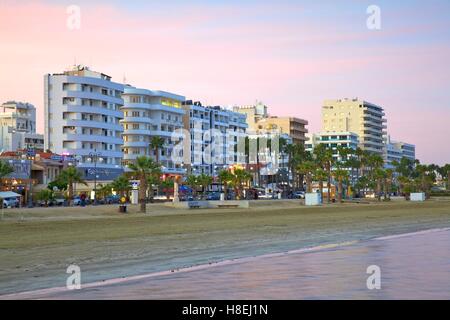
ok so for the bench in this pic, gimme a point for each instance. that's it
(228, 206)
(194, 205)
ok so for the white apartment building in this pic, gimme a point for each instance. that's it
(147, 114)
(361, 117)
(215, 136)
(333, 140)
(82, 114)
(18, 127)
(197, 121)
(227, 128)
(396, 150)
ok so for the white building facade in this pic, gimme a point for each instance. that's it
(361, 117)
(18, 127)
(147, 114)
(82, 114)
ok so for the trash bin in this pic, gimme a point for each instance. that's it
(123, 209)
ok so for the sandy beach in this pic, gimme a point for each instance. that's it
(36, 246)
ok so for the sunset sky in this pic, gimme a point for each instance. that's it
(289, 54)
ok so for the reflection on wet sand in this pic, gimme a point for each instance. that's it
(415, 266)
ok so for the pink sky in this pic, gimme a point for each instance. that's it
(227, 54)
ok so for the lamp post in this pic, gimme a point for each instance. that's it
(94, 157)
(30, 182)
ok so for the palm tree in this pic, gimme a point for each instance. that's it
(153, 180)
(69, 176)
(225, 177)
(105, 190)
(141, 169)
(324, 157)
(192, 182)
(340, 175)
(379, 175)
(204, 181)
(156, 144)
(45, 195)
(307, 169)
(388, 183)
(320, 175)
(121, 185)
(240, 177)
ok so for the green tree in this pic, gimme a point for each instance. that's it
(324, 157)
(340, 175)
(45, 195)
(225, 178)
(307, 168)
(193, 183)
(320, 175)
(69, 176)
(204, 181)
(121, 185)
(379, 176)
(141, 169)
(240, 178)
(5, 169)
(156, 144)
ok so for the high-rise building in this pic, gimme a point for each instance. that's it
(82, 113)
(18, 127)
(148, 114)
(260, 122)
(353, 115)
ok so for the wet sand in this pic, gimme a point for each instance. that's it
(413, 266)
(35, 253)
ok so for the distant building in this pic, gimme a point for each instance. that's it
(260, 122)
(396, 150)
(333, 140)
(361, 117)
(18, 127)
(82, 114)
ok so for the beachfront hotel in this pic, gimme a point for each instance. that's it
(18, 127)
(333, 140)
(147, 114)
(82, 110)
(215, 133)
(361, 117)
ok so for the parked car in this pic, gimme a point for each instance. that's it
(11, 202)
(112, 199)
(213, 196)
(76, 201)
(58, 201)
(299, 195)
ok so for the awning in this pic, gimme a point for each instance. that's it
(9, 194)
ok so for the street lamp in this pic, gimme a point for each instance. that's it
(95, 157)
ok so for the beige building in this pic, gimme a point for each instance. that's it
(260, 122)
(361, 117)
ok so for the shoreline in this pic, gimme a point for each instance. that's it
(130, 279)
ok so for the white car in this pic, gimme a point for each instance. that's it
(10, 202)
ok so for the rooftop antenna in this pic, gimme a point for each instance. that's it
(124, 79)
